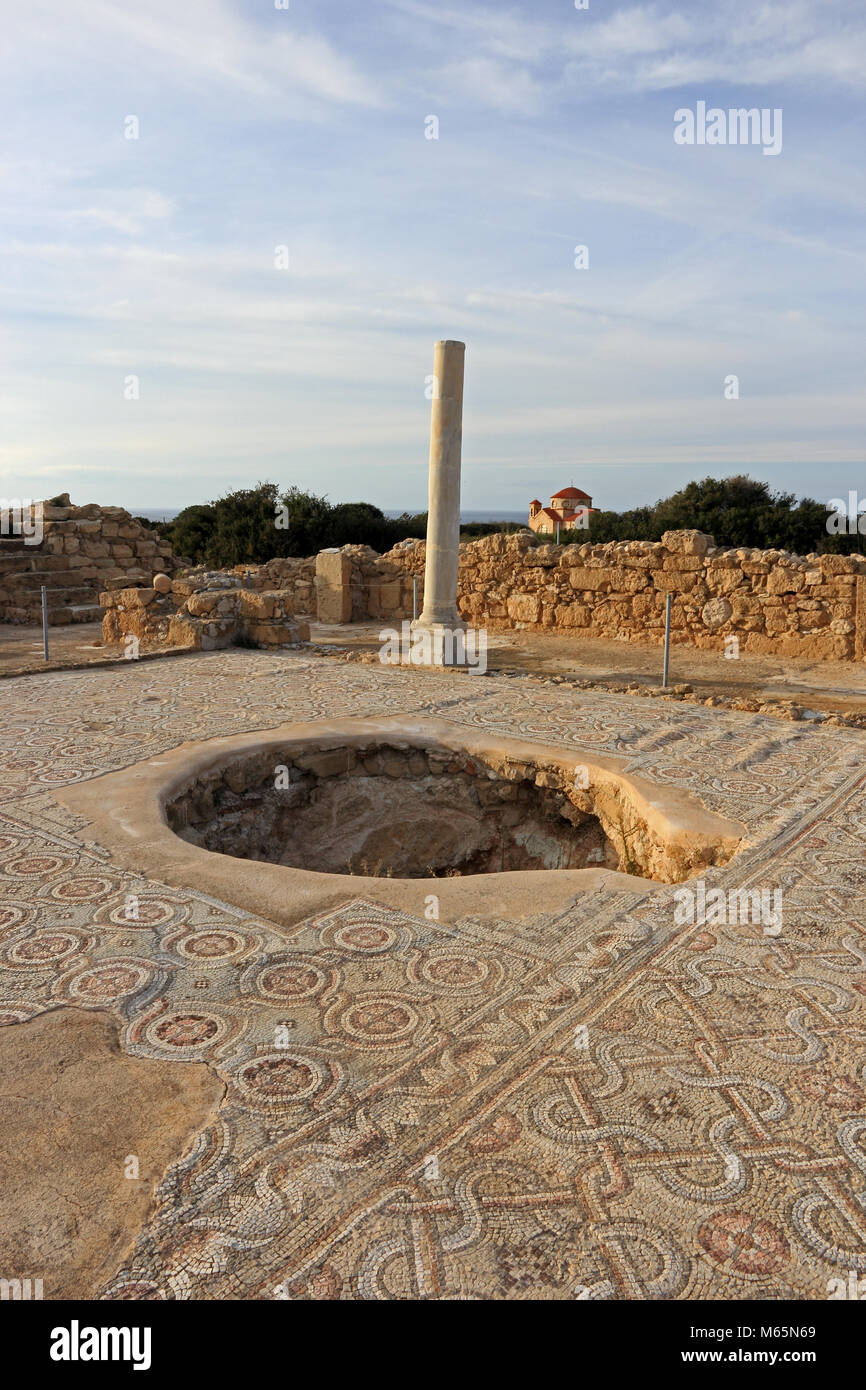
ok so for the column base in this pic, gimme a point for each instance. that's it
(440, 643)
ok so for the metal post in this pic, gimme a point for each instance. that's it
(414, 597)
(668, 601)
(557, 533)
(45, 620)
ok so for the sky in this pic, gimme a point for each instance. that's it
(151, 263)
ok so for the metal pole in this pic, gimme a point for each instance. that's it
(45, 620)
(557, 533)
(414, 597)
(668, 600)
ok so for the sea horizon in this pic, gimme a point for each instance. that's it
(467, 516)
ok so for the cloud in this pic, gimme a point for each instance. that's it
(497, 85)
(129, 211)
(198, 41)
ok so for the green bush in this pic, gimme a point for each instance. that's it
(242, 527)
(737, 511)
(257, 524)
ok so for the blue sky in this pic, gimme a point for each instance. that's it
(305, 127)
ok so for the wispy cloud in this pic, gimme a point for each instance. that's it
(305, 128)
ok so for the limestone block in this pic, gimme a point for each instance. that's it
(584, 578)
(860, 619)
(674, 581)
(628, 581)
(723, 581)
(333, 596)
(200, 604)
(839, 564)
(184, 632)
(270, 634)
(776, 621)
(162, 583)
(257, 604)
(687, 542)
(683, 562)
(524, 608)
(135, 598)
(716, 613)
(385, 598)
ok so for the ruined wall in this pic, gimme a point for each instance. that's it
(200, 609)
(82, 550)
(295, 578)
(772, 601)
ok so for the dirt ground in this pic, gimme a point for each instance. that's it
(832, 687)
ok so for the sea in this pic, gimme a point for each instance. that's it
(169, 513)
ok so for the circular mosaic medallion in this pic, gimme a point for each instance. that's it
(212, 944)
(36, 865)
(383, 1020)
(82, 890)
(282, 1078)
(13, 915)
(454, 972)
(114, 980)
(44, 948)
(181, 1032)
(291, 979)
(367, 938)
(144, 912)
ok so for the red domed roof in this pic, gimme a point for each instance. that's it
(571, 492)
(535, 502)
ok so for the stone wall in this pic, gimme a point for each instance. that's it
(82, 550)
(200, 609)
(295, 579)
(773, 602)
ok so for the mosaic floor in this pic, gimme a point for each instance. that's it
(597, 1105)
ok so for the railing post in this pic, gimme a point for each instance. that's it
(45, 620)
(668, 601)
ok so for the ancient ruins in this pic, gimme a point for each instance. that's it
(376, 982)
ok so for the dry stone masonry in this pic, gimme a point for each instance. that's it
(774, 602)
(82, 551)
(201, 609)
(96, 560)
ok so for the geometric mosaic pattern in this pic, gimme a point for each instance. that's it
(592, 1105)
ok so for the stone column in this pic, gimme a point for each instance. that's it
(443, 518)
